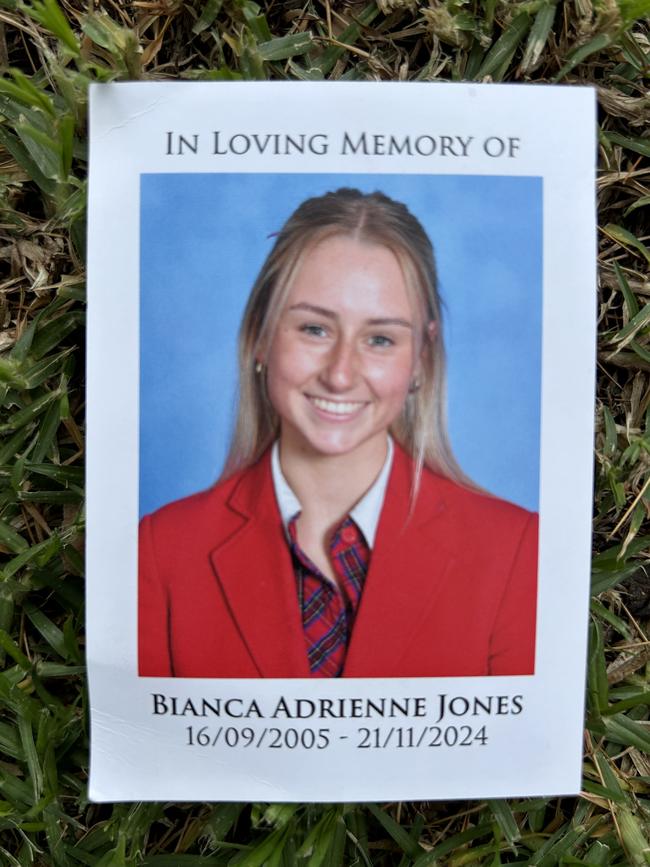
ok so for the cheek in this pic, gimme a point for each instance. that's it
(392, 379)
(288, 365)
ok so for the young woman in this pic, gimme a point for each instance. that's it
(343, 539)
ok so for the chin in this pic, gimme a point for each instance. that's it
(338, 450)
(335, 446)
(327, 449)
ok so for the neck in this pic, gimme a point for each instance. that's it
(328, 486)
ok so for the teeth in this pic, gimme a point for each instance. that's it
(337, 407)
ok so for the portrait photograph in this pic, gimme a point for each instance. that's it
(339, 425)
(327, 452)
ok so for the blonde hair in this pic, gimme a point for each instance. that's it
(421, 428)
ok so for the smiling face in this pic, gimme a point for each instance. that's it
(345, 350)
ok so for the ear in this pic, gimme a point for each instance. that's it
(259, 360)
(260, 352)
(430, 333)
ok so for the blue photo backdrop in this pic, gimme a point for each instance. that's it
(203, 240)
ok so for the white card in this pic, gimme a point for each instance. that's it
(458, 645)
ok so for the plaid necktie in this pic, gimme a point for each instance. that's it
(328, 610)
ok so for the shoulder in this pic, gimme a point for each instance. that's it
(208, 509)
(459, 516)
(475, 521)
(438, 494)
(473, 503)
(191, 507)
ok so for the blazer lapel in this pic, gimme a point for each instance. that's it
(253, 567)
(408, 567)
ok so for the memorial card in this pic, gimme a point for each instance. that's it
(341, 350)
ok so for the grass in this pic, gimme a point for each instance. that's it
(49, 54)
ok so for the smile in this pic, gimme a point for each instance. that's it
(337, 407)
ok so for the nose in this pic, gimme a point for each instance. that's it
(341, 370)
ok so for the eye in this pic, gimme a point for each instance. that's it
(314, 330)
(381, 341)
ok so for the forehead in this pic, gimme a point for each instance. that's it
(351, 274)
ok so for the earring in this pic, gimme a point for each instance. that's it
(259, 367)
(414, 386)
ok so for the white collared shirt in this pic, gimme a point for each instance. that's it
(365, 513)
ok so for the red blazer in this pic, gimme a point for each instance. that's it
(451, 588)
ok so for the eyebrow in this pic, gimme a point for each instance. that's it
(330, 314)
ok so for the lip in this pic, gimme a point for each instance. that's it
(337, 410)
